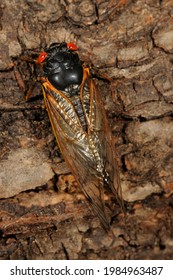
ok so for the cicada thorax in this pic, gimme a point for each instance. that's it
(80, 125)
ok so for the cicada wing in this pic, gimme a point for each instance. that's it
(99, 124)
(75, 147)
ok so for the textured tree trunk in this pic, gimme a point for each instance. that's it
(43, 214)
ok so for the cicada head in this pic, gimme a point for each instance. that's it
(62, 65)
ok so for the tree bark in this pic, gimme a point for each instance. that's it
(43, 213)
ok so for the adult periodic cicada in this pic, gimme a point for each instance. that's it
(80, 125)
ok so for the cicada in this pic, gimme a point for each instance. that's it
(80, 125)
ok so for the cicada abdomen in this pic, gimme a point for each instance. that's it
(80, 125)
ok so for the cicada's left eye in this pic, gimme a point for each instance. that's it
(42, 57)
(72, 46)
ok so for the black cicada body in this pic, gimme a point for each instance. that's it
(80, 125)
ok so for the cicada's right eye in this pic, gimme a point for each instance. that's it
(72, 46)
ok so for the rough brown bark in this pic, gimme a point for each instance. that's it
(42, 213)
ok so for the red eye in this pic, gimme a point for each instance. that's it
(42, 57)
(72, 46)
